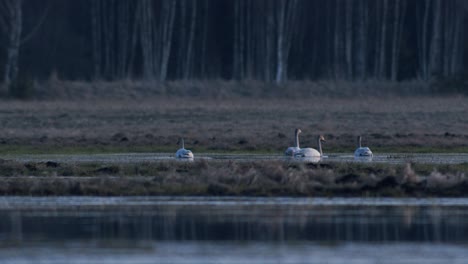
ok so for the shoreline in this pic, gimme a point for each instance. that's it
(233, 178)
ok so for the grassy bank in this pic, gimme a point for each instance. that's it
(257, 178)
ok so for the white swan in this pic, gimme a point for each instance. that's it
(183, 153)
(310, 152)
(362, 151)
(291, 150)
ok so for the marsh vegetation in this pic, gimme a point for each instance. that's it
(233, 178)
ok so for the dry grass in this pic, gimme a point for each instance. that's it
(55, 88)
(264, 178)
(248, 125)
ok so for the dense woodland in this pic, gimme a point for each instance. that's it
(265, 40)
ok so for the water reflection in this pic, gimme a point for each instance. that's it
(243, 222)
(304, 159)
(363, 159)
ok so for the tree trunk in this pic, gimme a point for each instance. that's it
(96, 32)
(338, 40)
(287, 15)
(361, 58)
(395, 42)
(14, 40)
(146, 30)
(182, 40)
(383, 43)
(436, 42)
(206, 23)
(167, 41)
(135, 35)
(237, 30)
(349, 39)
(280, 41)
(458, 44)
(123, 9)
(191, 41)
(378, 40)
(270, 37)
(424, 40)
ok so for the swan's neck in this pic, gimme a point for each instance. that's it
(296, 140)
(359, 142)
(320, 146)
(182, 143)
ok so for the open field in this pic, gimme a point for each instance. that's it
(392, 124)
(247, 126)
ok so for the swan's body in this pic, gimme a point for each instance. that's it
(362, 151)
(183, 153)
(310, 152)
(292, 150)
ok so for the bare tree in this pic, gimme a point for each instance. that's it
(286, 14)
(436, 42)
(400, 12)
(191, 42)
(383, 43)
(361, 57)
(12, 23)
(338, 42)
(168, 29)
(457, 50)
(349, 39)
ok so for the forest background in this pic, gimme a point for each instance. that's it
(50, 48)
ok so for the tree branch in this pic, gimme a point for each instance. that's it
(38, 25)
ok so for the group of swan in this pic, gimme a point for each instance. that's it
(296, 151)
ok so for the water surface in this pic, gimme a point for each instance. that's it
(232, 230)
(431, 158)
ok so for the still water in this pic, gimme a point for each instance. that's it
(394, 158)
(232, 230)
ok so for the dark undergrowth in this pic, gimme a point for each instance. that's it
(233, 178)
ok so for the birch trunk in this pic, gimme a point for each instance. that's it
(424, 41)
(457, 51)
(349, 39)
(203, 60)
(338, 42)
(191, 41)
(436, 42)
(361, 58)
(449, 30)
(280, 41)
(182, 40)
(383, 43)
(167, 41)
(96, 35)
(378, 40)
(270, 36)
(237, 30)
(146, 39)
(395, 42)
(14, 40)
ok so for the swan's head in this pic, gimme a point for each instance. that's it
(297, 131)
(321, 138)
